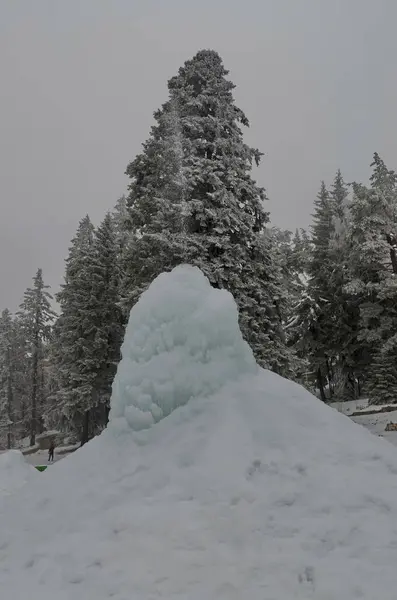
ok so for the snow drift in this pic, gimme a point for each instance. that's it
(251, 489)
(14, 472)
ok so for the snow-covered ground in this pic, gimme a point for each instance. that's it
(41, 458)
(350, 407)
(14, 473)
(249, 488)
(375, 423)
(36, 457)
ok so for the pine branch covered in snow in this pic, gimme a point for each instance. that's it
(325, 327)
(192, 200)
(7, 355)
(373, 271)
(87, 336)
(36, 318)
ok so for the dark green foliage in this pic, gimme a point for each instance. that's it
(192, 199)
(382, 383)
(36, 318)
(87, 335)
(373, 270)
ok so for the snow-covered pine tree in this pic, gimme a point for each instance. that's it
(36, 317)
(22, 379)
(192, 199)
(108, 323)
(382, 380)
(7, 350)
(322, 230)
(155, 204)
(301, 315)
(87, 335)
(328, 313)
(340, 203)
(120, 216)
(373, 276)
(125, 242)
(292, 254)
(343, 342)
(314, 318)
(285, 253)
(305, 313)
(301, 254)
(72, 352)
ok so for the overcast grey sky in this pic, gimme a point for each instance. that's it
(80, 80)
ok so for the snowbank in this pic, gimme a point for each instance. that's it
(14, 472)
(258, 491)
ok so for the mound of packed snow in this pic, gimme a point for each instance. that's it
(14, 472)
(182, 342)
(257, 491)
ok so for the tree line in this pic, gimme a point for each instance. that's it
(318, 307)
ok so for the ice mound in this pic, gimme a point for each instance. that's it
(182, 342)
(14, 472)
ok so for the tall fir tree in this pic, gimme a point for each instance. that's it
(192, 199)
(119, 217)
(7, 397)
(125, 244)
(340, 203)
(292, 254)
(322, 230)
(349, 358)
(314, 313)
(106, 312)
(36, 317)
(326, 327)
(373, 277)
(301, 254)
(87, 335)
(72, 344)
(22, 379)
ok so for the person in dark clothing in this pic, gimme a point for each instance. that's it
(51, 451)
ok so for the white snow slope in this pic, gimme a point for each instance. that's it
(14, 473)
(257, 491)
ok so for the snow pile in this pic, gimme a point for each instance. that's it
(182, 342)
(14, 472)
(258, 491)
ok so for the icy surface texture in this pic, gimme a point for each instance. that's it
(182, 342)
